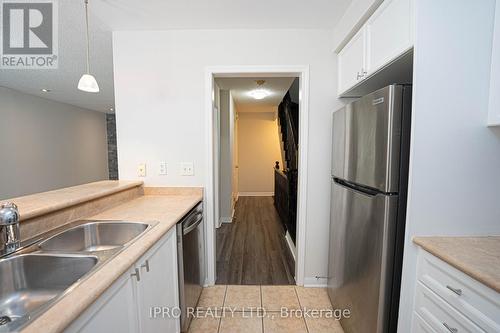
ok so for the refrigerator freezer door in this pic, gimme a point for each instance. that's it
(361, 257)
(367, 140)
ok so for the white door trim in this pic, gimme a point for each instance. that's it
(210, 214)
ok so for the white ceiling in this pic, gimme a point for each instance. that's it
(240, 87)
(220, 14)
(63, 81)
(109, 15)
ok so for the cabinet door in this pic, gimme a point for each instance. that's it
(389, 33)
(351, 62)
(114, 311)
(158, 288)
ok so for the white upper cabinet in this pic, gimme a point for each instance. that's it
(351, 61)
(385, 37)
(389, 33)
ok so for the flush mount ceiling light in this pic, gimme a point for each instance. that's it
(88, 82)
(259, 93)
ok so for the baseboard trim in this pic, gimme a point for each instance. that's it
(291, 246)
(313, 282)
(256, 194)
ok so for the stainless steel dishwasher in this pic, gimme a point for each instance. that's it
(191, 265)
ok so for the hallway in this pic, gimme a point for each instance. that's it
(252, 250)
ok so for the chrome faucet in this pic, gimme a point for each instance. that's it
(9, 228)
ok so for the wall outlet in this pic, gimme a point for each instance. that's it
(187, 169)
(141, 170)
(163, 169)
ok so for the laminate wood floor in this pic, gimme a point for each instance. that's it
(252, 250)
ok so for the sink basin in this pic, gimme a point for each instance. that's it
(94, 236)
(29, 281)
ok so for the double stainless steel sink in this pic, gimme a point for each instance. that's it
(47, 267)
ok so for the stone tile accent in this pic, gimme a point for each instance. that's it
(112, 146)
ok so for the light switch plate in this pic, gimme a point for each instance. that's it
(163, 169)
(187, 169)
(141, 170)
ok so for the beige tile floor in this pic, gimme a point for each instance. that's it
(256, 309)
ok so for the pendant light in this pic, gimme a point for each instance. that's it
(88, 82)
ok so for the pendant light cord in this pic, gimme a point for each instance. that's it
(88, 36)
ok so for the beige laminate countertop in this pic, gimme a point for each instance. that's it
(42, 203)
(167, 209)
(478, 257)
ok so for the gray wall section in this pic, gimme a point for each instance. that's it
(112, 148)
(225, 158)
(46, 145)
(294, 91)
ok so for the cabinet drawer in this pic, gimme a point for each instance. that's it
(440, 315)
(477, 302)
(420, 326)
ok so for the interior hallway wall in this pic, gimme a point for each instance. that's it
(164, 118)
(47, 145)
(455, 158)
(259, 149)
(226, 137)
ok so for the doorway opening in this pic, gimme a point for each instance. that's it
(212, 208)
(256, 196)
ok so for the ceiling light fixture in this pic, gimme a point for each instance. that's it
(259, 93)
(45, 90)
(88, 82)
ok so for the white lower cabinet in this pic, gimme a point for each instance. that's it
(448, 300)
(158, 289)
(129, 304)
(419, 325)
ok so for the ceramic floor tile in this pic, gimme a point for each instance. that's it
(277, 324)
(204, 325)
(243, 297)
(276, 297)
(313, 298)
(212, 297)
(241, 322)
(323, 325)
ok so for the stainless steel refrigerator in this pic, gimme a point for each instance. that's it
(370, 154)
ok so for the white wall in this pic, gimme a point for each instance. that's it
(494, 115)
(226, 158)
(455, 159)
(47, 145)
(259, 149)
(159, 92)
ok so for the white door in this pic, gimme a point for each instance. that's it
(158, 288)
(389, 33)
(351, 62)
